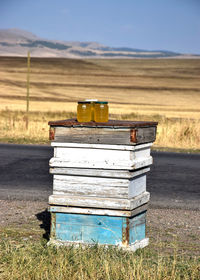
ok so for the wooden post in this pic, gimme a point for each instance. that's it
(27, 87)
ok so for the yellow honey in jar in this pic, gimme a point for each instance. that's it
(92, 102)
(84, 111)
(101, 111)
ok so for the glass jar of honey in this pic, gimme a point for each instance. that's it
(84, 111)
(92, 102)
(101, 111)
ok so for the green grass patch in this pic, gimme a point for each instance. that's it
(35, 260)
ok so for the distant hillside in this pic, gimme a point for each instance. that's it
(16, 42)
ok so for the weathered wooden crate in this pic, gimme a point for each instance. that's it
(113, 131)
(139, 207)
(97, 156)
(99, 183)
(100, 202)
(114, 228)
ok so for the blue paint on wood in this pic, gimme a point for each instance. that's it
(93, 220)
(98, 229)
(137, 228)
(88, 228)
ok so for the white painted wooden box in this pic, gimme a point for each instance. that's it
(99, 156)
(100, 202)
(100, 186)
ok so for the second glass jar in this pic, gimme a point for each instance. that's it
(101, 111)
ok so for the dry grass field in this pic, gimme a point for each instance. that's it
(165, 90)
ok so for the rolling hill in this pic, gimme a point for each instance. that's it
(17, 42)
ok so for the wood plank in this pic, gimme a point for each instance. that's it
(92, 136)
(82, 181)
(95, 191)
(102, 146)
(137, 226)
(137, 186)
(100, 153)
(96, 202)
(139, 244)
(96, 211)
(104, 164)
(111, 123)
(99, 186)
(130, 247)
(144, 135)
(88, 228)
(106, 173)
(95, 135)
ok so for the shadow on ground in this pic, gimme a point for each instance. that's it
(45, 218)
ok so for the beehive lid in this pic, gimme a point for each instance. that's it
(109, 124)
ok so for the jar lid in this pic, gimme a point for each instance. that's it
(91, 100)
(102, 102)
(83, 102)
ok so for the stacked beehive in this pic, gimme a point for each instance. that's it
(99, 182)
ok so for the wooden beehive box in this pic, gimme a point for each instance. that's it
(111, 132)
(110, 229)
(99, 169)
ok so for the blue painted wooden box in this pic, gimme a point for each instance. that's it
(91, 229)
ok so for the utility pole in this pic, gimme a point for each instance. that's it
(27, 87)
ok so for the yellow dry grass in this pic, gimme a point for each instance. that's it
(179, 134)
(166, 90)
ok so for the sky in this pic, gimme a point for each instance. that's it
(172, 25)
